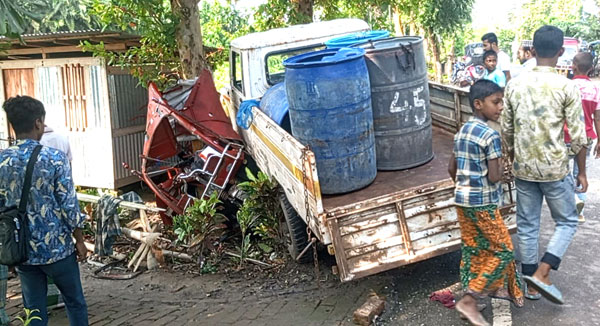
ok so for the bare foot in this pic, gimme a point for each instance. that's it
(467, 307)
(543, 273)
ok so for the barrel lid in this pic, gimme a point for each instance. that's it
(359, 37)
(389, 43)
(323, 57)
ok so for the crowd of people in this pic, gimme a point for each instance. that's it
(547, 122)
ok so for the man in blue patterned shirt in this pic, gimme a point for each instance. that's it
(52, 209)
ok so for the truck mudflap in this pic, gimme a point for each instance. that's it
(402, 228)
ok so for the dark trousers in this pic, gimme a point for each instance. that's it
(65, 274)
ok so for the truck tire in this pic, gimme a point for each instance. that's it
(297, 239)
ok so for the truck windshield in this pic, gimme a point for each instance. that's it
(274, 62)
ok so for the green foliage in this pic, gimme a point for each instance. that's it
(377, 13)
(29, 316)
(220, 25)
(155, 59)
(200, 224)
(65, 15)
(263, 202)
(208, 268)
(247, 219)
(536, 13)
(505, 40)
(278, 13)
(16, 16)
(462, 38)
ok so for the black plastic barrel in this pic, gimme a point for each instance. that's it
(330, 110)
(400, 96)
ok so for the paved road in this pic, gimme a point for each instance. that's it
(165, 298)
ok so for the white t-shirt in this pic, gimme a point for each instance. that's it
(527, 66)
(503, 61)
(57, 141)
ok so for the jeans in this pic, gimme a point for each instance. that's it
(561, 201)
(65, 274)
(581, 195)
(4, 320)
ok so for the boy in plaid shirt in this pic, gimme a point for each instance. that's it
(488, 264)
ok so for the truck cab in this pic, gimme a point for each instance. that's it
(256, 59)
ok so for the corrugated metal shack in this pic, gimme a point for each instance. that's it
(99, 108)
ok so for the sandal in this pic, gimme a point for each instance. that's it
(528, 295)
(550, 292)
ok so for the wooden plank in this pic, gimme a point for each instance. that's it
(18, 82)
(124, 204)
(34, 63)
(62, 49)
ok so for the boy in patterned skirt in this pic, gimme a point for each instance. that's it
(488, 265)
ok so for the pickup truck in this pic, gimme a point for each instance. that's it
(402, 217)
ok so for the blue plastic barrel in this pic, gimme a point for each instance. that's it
(275, 105)
(355, 38)
(330, 110)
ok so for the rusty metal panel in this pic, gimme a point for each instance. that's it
(127, 101)
(127, 148)
(49, 92)
(414, 229)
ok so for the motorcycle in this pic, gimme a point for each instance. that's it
(465, 73)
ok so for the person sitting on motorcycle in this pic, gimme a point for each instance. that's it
(490, 61)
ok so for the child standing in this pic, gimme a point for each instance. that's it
(583, 63)
(490, 62)
(488, 265)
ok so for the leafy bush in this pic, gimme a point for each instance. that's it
(200, 225)
(247, 220)
(263, 203)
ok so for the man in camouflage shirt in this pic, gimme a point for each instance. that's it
(537, 105)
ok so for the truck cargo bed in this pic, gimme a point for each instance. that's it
(388, 182)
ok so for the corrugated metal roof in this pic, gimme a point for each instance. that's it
(297, 33)
(69, 34)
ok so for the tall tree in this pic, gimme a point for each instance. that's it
(189, 38)
(171, 38)
(439, 21)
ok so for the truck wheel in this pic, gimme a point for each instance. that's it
(294, 231)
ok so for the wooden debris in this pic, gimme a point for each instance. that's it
(117, 256)
(369, 310)
(175, 254)
(250, 260)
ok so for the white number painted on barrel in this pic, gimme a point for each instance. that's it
(417, 103)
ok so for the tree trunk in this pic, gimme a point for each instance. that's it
(305, 9)
(189, 38)
(435, 51)
(397, 19)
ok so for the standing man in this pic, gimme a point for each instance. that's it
(55, 140)
(490, 42)
(526, 59)
(52, 211)
(532, 126)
